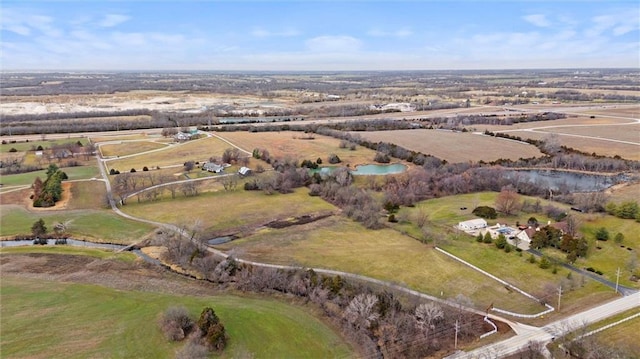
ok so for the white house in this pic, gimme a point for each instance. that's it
(244, 171)
(472, 224)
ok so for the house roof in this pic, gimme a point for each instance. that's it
(561, 226)
(474, 222)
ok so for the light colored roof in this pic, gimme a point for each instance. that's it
(475, 222)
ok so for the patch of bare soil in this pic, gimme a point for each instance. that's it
(113, 273)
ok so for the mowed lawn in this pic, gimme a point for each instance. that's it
(177, 154)
(220, 211)
(94, 225)
(295, 145)
(455, 146)
(43, 319)
(341, 244)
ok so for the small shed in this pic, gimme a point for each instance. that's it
(244, 171)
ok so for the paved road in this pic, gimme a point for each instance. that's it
(553, 330)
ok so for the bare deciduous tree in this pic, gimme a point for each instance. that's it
(427, 314)
(508, 201)
(361, 310)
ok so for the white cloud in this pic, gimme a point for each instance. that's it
(619, 23)
(260, 32)
(537, 19)
(111, 20)
(403, 32)
(333, 44)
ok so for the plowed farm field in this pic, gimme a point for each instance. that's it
(455, 146)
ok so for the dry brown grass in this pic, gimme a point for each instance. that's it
(600, 147)
(129, 148)
(196, 150)
(628, 192)
(455, 146)
(295, 145)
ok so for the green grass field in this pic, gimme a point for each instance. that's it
(27, 146)
(95, 225)
(624, 334)
(341, 244)
(59, 320)
(177, 154)
(129, 148)
(74, 173)
(219, 211)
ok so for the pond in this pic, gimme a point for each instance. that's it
(220, 240)
(567, 181)
(364, 170)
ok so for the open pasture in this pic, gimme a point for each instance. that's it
(455, 146)
(224, 211)
(74, 173)
(341, 244)
(298, 146)
(100, 322)
(129, 148)
(94, 225)
(623, 335)
(133, 135)
(176, 154)
(24, 146)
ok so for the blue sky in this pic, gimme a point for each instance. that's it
(321, 35)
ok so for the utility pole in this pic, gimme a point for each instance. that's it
(617, 278)
(455, 345)
(559, 296)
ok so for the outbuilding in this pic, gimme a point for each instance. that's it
(472, 224)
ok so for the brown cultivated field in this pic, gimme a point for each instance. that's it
(178, 154)
(585, 133)
(589, 145)
(295, 145)
(629, 133)
(455, 146)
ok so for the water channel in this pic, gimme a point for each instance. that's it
(566, 181)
